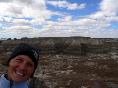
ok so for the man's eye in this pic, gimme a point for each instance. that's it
(30, 65)
(18, 60)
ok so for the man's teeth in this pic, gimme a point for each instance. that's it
(19, 73)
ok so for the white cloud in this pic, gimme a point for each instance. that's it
(12, 12)
(94, 25)
(4, 0)
(110, 6)
(21, 8)
(107, 9)
(76, 6)
(21, 22)
(19, 32)
(65, 18)
(98, 24)
(65, 4)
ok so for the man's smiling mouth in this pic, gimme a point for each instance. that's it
(19, 73)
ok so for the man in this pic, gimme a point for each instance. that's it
(22, 64)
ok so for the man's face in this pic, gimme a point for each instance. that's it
(20, 68)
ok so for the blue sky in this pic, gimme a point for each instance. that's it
(58, 18)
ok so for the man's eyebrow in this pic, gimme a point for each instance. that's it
(19, 58)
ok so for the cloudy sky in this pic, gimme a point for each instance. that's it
(58, 18)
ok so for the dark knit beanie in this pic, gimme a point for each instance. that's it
(25, 49)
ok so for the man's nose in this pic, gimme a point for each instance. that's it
(23, 66)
